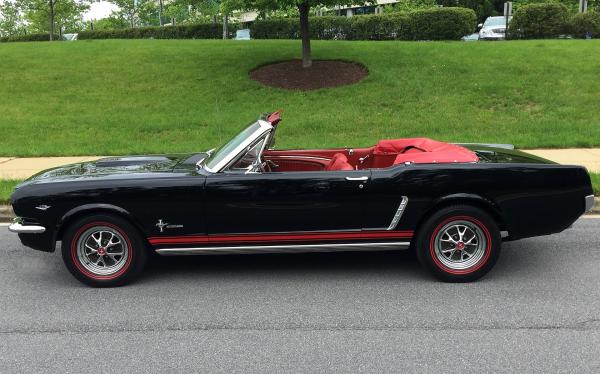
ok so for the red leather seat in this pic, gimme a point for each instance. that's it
(339, 161)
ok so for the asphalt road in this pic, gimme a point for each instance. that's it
(537, 311)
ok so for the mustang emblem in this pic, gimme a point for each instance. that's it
(161, 225)
(43, 207)
(165, 225)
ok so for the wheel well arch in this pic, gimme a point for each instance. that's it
(465, 199)
(85, 210)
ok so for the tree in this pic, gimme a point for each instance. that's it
(11, 20)
(137, 12)
(48, 15)
(112, 22)
(303, 9)
(483, 8)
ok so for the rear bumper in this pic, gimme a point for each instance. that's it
(492, 37)
(589, 202)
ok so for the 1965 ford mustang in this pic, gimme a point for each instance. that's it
(452, 204)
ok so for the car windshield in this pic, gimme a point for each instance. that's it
(495, 21)
(217, 156)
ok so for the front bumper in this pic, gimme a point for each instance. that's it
(26, 229)
(589, 202)
(33, 235)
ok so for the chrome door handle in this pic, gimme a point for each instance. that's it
(357, 179)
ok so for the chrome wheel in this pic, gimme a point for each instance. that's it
(460, 245)
(102, 250)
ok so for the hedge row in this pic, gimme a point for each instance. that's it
(549, 20)
(198, 31)
(584, 24)
(428, 24)
(28, 38)
(536, 21)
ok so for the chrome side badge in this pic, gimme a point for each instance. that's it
(43, 207)
(165, 225)
(161, 225)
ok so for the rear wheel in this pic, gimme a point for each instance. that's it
(458, 243)
(103, 250)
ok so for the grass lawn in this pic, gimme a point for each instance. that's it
(596, 183)
(6, 189)
(151, 96)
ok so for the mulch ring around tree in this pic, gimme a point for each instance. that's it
(322, 74)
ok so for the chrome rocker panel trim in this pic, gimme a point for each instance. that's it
(298, 248)
(589, 202)
(26, 229)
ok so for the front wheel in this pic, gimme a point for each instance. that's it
(102, 250)
(458, 244)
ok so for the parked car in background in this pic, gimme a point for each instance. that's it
(70, 37)
(471, 37)
(494, 28)
(243, 34)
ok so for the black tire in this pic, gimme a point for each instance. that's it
(80, 258)
(437, 251)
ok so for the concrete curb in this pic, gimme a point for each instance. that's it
(7, 214)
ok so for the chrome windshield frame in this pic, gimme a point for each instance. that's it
(265, 127)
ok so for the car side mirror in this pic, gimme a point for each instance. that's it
(480, 25)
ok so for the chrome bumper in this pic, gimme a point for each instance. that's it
(26, 229)
(589, 202)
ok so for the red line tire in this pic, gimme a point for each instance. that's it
(458, 243)
(102, 250)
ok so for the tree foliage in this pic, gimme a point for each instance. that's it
(11, 19)
(48, 16)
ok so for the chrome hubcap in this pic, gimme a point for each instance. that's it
(102, 250)
(460, 245)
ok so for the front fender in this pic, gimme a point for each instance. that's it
(86, 209)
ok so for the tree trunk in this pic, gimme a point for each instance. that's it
(160, 12)
(304, 32)
(51, 19)
(225, 30)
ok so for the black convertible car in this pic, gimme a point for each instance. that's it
(452, 204)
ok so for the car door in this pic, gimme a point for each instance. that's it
(276, 202)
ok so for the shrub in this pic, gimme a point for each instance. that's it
(442, 23)
(583, 23)
(536, 21)
(426, 24)
(28, 38)
(197, 31)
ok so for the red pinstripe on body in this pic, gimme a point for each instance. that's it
(281, 237)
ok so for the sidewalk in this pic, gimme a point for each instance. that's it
(21, 168)
(588, 157)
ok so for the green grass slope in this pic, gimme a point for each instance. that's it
(151, 96)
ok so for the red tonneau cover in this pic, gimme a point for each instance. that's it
(424, 150)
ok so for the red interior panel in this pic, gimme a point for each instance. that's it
(385, 154)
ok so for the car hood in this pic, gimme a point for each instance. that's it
(118, 167)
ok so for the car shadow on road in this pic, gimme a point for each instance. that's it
(517, 261)
(400, 262)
